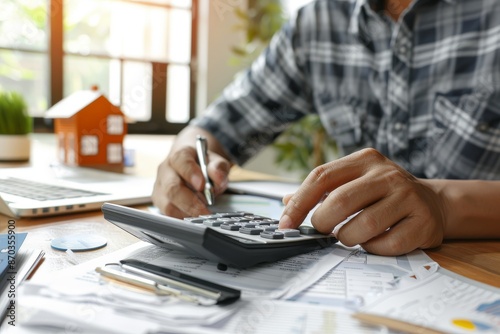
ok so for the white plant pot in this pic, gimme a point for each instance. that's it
(15, 147)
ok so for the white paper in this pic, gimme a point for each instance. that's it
(78, 298)
(288, 317)
(279, 279)
(367, 285)
(446, 302)
(335, 289)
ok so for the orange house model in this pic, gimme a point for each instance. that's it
(90, 130)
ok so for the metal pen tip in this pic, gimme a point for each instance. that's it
(201, 151)
(209, 194)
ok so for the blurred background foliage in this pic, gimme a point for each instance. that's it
(259, 23)
(305, 144)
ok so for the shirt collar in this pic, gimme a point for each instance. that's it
(366, 6)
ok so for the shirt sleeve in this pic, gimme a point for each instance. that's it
(254, 109)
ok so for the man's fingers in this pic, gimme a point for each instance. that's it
(175, 194)
(185, 163)
(401, 238)
(218, 171)
(321, 180)
(286, 198)
(173, 197)
(374, 220)
(371, 189)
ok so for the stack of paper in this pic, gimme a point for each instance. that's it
(16, 264)
(80, 299)
(326, 291)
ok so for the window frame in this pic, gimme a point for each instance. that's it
(158, 123)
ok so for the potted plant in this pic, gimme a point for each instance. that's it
(15, 126)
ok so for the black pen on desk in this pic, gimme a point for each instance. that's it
(220, 293)
(146, 284)
(201, 151)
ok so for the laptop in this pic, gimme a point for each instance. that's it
(54, 190)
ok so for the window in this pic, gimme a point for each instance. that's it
(139, 53)
(114, 125)
(89, 145)
(114, 153)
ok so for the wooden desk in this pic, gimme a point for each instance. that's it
(479, 260)
(42, 231)
(149, 151)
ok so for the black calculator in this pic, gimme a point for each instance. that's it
(239, 239)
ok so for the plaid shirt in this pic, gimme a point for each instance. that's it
(424, 91)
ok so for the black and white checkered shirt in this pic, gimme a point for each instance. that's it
(424, 91)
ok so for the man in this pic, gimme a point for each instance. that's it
(416, 84)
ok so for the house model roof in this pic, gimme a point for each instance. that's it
(72, 104)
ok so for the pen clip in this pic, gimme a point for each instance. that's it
(194, 285)
(167, 281)
(201, 151)
(151, 285)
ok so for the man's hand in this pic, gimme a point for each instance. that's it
(399, 212)
(179, 182)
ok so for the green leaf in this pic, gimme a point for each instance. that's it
(239, 50)
(295, 147)
(241, 14)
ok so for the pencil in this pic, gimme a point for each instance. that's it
(394, 324)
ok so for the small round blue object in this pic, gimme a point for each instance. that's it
(79, 242)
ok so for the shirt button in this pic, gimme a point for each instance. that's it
(402, 49)
(398, 126)
(482, 127)
(398, 90)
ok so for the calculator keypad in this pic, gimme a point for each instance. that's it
(248, 224)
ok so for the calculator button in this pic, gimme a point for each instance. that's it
(253, 217)
(212, 223)
(307, 230)
(272, 235)
(231, 227)
(251, 230)
(270, 228)
(245, 224)
(212, 216)
(242, 219)
(261, 222)
(195, 220)
(231, 214)
(290, 233)
(227, 220)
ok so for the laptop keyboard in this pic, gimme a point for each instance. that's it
(40, 191)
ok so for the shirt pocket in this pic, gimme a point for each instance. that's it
(343, 122)
(464, 141)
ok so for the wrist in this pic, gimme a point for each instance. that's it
(470, 207)
(445, 203)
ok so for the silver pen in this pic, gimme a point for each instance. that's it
(201, 151)
(151, 285)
